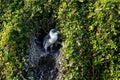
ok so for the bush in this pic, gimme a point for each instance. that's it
(90, 30)
(91, 46)
(14, 39)
(18, 20)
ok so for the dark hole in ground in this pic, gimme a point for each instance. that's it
(46, 69)
(42, 35)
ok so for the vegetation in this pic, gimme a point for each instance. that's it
(90, 30)
(91, 47)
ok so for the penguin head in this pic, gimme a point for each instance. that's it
(53, 32)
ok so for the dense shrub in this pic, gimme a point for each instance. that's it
(90, 30)
(92, 43)
(18, 20)
(14, 39)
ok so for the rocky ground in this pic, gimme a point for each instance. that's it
(43, 66)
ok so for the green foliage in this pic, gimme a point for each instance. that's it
(14, 40)
(18, 19)
(90, 29)
(92, 43)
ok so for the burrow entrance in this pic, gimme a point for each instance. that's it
(43, 66)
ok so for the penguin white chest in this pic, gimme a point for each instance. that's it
(53, 39)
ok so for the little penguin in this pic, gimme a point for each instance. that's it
(50, 39)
